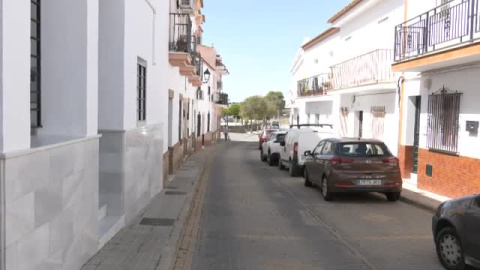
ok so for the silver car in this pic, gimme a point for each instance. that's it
(456, 230)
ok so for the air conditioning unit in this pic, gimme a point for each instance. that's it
(186, 4)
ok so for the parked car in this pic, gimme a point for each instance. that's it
(456, 231)
(271, 149)
(265, 136)
(353, 165)
(296, 142)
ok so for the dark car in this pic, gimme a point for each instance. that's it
(265, 136)
(353, 165)
(456, 231)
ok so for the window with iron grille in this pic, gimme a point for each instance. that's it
(35, 93)
(141, 92)
(443, 121)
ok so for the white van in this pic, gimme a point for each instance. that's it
(297, 141)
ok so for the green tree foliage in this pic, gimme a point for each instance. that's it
(234, 110)
(254, 108)
(275, 102)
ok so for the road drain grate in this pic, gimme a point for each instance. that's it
(157, 221)
(175, 193)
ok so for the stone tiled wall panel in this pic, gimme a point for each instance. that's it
(51, 209)
(143, 168)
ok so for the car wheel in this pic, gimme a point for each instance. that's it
(308, 183)
(262, 156)
(393, 196)
(270, 160)
(449, 249)
(292, 170)
(327, 195)
(280, 164)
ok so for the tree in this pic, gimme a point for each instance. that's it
(275, 102)
(234, 110)
(254, 108)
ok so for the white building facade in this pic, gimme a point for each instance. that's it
(438, 54)
(343, 77)
(92, 100)
(193, 84)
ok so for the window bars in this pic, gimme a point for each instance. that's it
(141, 92)
(378, 122)
(35, 69)
(443, 120)
(344, 121)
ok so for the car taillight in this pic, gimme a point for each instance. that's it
(295, 149)
(393, 160)
(334, 161)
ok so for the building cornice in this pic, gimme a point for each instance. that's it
(329, 32)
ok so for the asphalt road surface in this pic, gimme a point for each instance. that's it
(257, 217)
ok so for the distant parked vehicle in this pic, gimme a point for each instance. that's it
(265, 136)
(456, 231)
(353, 165)
(297, 141)
(271, 149)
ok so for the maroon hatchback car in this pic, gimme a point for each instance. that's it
(265, 136)
(353, 165)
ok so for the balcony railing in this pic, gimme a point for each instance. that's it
(221, 98)
(372, 67)
(181, 38)
(448, 25)
(314, 86)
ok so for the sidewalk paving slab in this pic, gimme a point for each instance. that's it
(145, 246)
(421, 198)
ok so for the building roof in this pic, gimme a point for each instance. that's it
(344, 10)
(320, 38)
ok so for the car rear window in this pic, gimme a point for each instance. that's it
(362, 149)
(281, 137)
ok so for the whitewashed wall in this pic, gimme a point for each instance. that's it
(466, 81)
(14, 75)
(368, 27)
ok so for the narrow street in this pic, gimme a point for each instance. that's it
(257, 217)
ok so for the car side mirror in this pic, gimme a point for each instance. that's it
(282, 143)
(307, 153)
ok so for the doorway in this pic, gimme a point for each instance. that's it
(359, 124)
(416, 134)
(170, 119)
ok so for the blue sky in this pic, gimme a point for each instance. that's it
(258, 39)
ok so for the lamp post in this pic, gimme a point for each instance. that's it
(206, 76)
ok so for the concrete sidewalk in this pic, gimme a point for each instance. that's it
(421, 198)
(151, 241)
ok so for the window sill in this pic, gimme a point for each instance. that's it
(448, 153)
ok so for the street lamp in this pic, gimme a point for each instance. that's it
(206, 76)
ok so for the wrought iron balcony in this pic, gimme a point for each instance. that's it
(372, 67)
(314, 86)
(181, 38)
(448, 25)
(221, 98)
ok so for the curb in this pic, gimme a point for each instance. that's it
(425, 203)
(169, 252)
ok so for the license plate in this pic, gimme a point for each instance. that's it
(369, 182)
